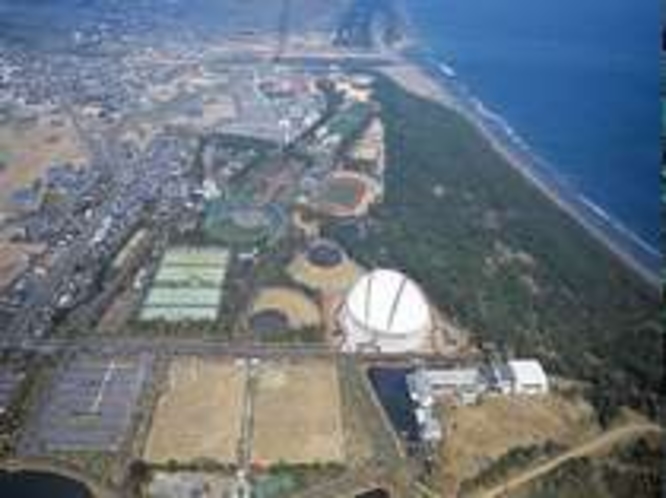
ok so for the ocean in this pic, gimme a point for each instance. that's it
(576, 82)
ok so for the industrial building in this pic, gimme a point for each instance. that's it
(467, 385)
(528, 377)
(385, 312)
(430, 428)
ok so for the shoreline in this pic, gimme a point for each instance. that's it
(415, 74)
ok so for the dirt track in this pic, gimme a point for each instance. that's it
(597, 445)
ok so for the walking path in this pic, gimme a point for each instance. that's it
(597, 445)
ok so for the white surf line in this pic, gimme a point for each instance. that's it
(102, 388)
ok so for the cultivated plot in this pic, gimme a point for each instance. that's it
(29, 147)
(297, 416)
(91, 404)
(199, 414)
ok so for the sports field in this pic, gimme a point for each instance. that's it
(188, 285)
(346, 193)
(334, 279)
(297, 416)
(298, 308)
(242, 226)
(199, 414)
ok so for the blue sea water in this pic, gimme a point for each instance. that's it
(577, 80)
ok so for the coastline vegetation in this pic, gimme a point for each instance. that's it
(626, 472)
(504, 261)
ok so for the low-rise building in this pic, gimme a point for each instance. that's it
(464, 385)
(430, 429)
(529, 377)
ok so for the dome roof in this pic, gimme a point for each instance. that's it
(388, 303)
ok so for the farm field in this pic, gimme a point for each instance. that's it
(29, 148)
(301, 398)
(199, 414)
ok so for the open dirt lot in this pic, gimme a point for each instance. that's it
(29, 148)
(297, 413)
(480, 434)
(199, 414)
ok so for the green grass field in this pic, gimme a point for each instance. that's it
(188, 285)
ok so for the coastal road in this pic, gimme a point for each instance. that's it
(596, 446)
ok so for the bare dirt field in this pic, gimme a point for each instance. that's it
(29, 148)
(482, 433)
(199, 415)
(297, 413)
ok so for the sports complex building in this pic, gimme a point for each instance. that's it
(385, 312)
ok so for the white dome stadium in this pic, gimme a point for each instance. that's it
(385, 311)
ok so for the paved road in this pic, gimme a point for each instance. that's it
(594, 447)
(200, 346)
